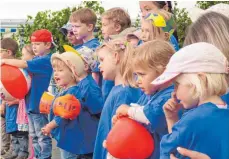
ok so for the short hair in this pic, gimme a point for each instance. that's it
(9, 44)
(212, 28)
(118, 16)
(215, 84)
(153, 55)
(84, 15)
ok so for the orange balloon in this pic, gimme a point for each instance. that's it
(67, 107)
(15, 82)
(129, 139)
(46, 102)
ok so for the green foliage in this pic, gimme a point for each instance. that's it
(53, 21)
(137, 21)
(207, 4)
(182, 21)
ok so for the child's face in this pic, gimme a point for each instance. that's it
(133, 41)
(147, 7)
(107, 65)
(144, 78)
(108, 28)
(81, 30)
(40, 48)
(63, 75)
(72, 38)
(26, 55)
(185, 96)
(149, 32)
(5, 54)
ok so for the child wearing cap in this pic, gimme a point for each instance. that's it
(41, 71)
(66, 30)
(212, 28)
(76, 137)
(158, 25)
(19, 139)
(148, 62)
(114, 66)
(199, 72)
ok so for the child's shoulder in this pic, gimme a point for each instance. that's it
(92, 44)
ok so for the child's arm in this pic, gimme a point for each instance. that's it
(10, 103)
(49, 127)
(135, 112)
(15, 62)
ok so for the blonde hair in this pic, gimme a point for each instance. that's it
(215, 84)
(153, 55)
(118, 16)
(156, 31)
(84, 15)
(29, 49)
(120, 46)
(211, 27)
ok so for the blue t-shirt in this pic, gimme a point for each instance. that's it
(204, 129)
(119, 95)
(41, 71)
(92, 44)
(78, 136)
(11, 118)
(225, 98)
(153, 110)
(174, 42)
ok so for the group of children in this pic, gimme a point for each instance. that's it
(180, 97)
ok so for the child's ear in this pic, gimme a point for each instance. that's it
(116, 57)
(48, 45)
(90, 27)
(167, 36)
(86, 67)
(118, 28)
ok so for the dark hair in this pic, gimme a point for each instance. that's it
(9, 44)
(161, 5)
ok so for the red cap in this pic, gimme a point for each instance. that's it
(42, 35)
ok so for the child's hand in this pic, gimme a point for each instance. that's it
(114, 119)
(190, 154)
(2, 61)
(171, 107)
(46, 130)
(122, 110)
(10, 103)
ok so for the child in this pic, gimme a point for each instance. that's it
(149, 62)
(148, 7)
(19, 138)
(83, 22)
(41, 70)
(114, 21)
(67, 31)
(158, 25)
(22, 117)
(212, 28)
(114, 66)
(8, 50)
(199, 72)
(76, 137)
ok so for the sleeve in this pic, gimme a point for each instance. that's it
(92, 100)
(136, 113)
(170, 142)
(39, 65)
(154, 113)
(58, 120)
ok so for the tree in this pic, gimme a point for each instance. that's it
(53, 21)
(207, 4)
(182, 21)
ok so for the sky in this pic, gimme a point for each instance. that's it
(19, 9)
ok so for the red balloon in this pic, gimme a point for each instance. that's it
(129, 139)
(14, 82)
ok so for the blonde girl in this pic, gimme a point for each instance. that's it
(114, 66)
